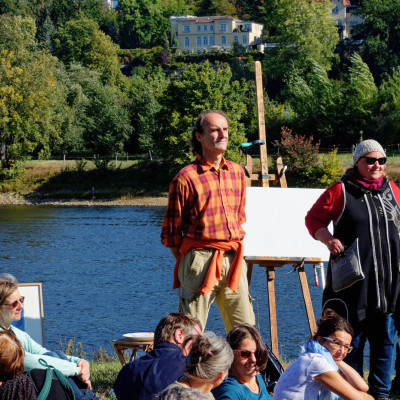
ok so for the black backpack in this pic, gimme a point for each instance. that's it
(50, 383)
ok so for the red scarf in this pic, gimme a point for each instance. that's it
(370, 184)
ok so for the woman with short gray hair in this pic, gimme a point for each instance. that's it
(207, 364)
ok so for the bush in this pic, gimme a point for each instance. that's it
(300, 155)
(331, 169)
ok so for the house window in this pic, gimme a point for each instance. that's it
(186, 42)
(212, 41)
(222, 27)
(236, 39)
(223, 41)
(205, 28)
(339, 23)
(211, 28)
(198, 41)
(186, 28)
(198, 28)
(335, 10)
(205, 41)
(247, 27)
(244, 40)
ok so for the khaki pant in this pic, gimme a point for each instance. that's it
(235, 307)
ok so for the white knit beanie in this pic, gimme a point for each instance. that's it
(365, 147)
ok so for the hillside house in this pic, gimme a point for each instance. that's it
(344, 15)
(199, 34)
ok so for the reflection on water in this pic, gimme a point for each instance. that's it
(105, 273)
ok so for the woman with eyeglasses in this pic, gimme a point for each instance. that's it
(320, 372)
(250, 356)
(364, 208)
(207, 363)
(11, 306)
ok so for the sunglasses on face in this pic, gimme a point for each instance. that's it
(336, 344)
(373, 160)
(245, 353)
(15, 303)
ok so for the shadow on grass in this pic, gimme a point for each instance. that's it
(143, 179)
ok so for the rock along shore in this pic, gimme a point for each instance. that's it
(13, 199)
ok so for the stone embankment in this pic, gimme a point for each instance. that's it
(14, 199)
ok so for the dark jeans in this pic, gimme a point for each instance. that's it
(379, 330)
(79, 388)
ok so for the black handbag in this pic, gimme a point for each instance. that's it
(272, 371)
(346, 268)
(50, 383)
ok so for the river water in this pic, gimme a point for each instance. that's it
(105, 273)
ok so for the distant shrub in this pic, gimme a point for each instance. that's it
(81, 164)
(300, 155)
(331, 169)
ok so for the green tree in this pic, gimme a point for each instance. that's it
(146, 93)
(141, 23)
(360, 95)
(101, 112)
(302, 30)
(315, 100)
(81, 41)
(199, 88)
(389, 115)
(380, 35)
(28, 124)
(28, 121)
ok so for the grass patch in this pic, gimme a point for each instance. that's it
(103, 376)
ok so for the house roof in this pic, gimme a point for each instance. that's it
(206, 19)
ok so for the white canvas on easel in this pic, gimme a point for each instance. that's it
(33, 310)
(275, 224)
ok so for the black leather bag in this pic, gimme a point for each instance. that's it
(346, 268)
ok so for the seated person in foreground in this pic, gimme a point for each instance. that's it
(146, 376)
(250, 357)
(320, 372)
(14, 385)
(206, 365)
(11, 305)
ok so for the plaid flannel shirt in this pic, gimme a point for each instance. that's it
(205, 204)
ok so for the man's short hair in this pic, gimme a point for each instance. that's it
(199, 127)
(170, 323)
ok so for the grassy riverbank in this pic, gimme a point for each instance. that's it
(122, 183)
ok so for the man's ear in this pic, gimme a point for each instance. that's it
(198, 136)
(179, 336)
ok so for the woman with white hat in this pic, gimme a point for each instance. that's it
(364, 208)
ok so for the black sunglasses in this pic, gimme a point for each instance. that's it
(373, 160)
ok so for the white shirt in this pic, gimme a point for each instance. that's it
(297, 382)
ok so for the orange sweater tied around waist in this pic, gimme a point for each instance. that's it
(215, 268)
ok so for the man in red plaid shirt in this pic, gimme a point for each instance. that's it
(202, 228)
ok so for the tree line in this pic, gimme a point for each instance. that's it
(62, 90)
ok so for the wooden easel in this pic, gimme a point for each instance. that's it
(270, 263)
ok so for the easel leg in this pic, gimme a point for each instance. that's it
(273, 326)
(249, 272)
(307, 301)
